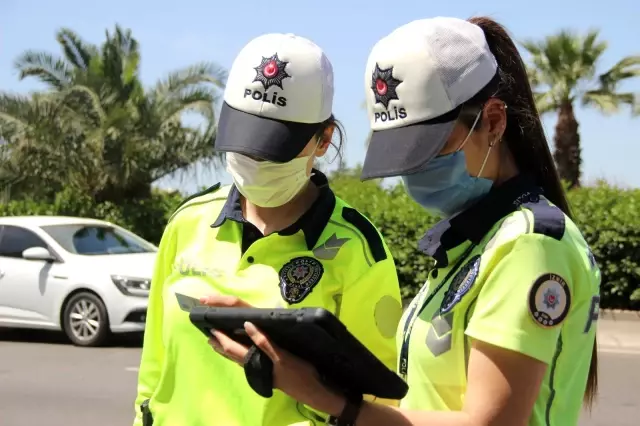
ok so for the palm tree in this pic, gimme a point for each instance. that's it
(124, 136)
(41, 152)
(563, 71)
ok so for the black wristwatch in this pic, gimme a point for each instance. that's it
(349, 413)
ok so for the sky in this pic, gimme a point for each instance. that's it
(175, 34)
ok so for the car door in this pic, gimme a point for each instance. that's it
(28, 288)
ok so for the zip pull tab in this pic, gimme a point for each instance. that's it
(147, 418)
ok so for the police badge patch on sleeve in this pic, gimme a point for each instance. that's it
(549, 300)
(298, 277)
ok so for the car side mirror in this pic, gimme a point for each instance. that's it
(38, 253)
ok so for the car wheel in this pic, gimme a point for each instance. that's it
(85, 320)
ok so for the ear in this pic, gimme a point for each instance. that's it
(495, 118)
(325, 141)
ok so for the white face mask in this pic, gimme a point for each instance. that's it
(268, 184)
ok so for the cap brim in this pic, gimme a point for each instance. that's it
(261, 137)
(405, 150)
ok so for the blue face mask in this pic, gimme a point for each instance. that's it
(445, 187)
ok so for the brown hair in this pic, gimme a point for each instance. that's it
(524, 134)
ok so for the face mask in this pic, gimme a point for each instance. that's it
(268, 184)
(445, 188)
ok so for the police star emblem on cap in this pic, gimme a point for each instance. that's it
(384, 85)
(271, 72)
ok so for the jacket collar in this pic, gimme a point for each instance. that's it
(312, 222)
(475, 222)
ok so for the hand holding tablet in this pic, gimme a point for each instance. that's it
(313, 334)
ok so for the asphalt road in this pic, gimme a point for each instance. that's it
(44, 380)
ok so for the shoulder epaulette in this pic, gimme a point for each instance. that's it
(209, 190)
(370, 233)
(548, 219)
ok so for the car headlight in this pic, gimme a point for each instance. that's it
(132, 286)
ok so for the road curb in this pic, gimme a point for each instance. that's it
(605, 314)
(619, 315)
(618, 351)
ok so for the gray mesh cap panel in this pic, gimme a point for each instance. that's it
(421, 73)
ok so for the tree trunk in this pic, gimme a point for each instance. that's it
(567, 150)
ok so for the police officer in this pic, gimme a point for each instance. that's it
(503, 332)
(277, 237)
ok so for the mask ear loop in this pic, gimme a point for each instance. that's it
(312, 156)
(486, 157)
(320, 140)
(491, 144)
(473, 126)
(315, 149)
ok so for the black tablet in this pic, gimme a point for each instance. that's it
(315, 335)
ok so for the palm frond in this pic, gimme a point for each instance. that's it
(124, 40)
(201, 73)
(592, 49)
(83, 103)
(624, 69)
(546, 102)
(55, 72)
(13, 111)
(113, 135)
(18, 113)
(564, 64)
(609, 102)
(76, 51)
(197, 99)
(534, 47)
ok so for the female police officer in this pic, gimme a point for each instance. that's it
(503, 332)
(277, 237)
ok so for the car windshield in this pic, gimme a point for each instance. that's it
(96, 240)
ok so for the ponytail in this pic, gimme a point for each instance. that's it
(524, 134)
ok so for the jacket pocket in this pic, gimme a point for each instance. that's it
(147, 418)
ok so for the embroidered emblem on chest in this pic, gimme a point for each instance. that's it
(298, 277)
(461, 284)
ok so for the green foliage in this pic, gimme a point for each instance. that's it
(609, 220)
(399, 219)
(563, 72)
(606, 215)
(146, 217)
(97, 129)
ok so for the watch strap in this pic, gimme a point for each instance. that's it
(258, 369)
(349, 413)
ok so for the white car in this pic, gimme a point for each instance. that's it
(87, 277)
